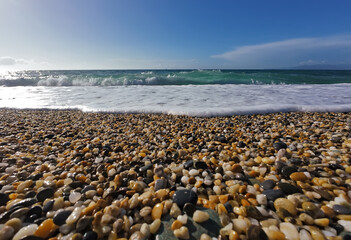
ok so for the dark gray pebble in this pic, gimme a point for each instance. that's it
(342, 209)
(287, 171)
(45, 194)
(25, 203)
(48, 206)
(268, 184)
(183, 196)
(91, 235)
(189, 209)
(188, 164)
(200, 165)
(83, 223)
(160, 184)
(288, 188)
(88, 188)
(253, 212)
(60, 217)
(3, 199)
(273, 194)
(279, 145)
(256, 233)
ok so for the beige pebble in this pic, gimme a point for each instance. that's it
(15, 223)
(175, 211)
(155, 225)
(289, 231)
(304, 234)
(205, 236)
(240, 225)
(182, 233)
(200, 216)
(285, 204)
(316, 233)
(6, 232)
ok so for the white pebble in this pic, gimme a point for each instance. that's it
(183, 219)
(185, 180)
(261, 199)
(345, 224)
(26, 231)
(74, 216)
(194, 172)
(217, 190)
(218, 176)
(74, 197)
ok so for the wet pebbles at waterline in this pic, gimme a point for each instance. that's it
(75, 175)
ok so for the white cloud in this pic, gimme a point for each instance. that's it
(10, 61)
(290, 51)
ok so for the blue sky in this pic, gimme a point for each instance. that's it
(146, 34)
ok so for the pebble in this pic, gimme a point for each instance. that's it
(160, 184)
(189, 209)
(288, 188)
(6, 232)
(340, 209)
(289, 231)
(61, 217)
(182, 233)
(285, 204)
(298, 176)
(155, 225)
(273, 194)
(3, 199)
(45, 228)
(268, 184)
(200, 216)
(183, 196)
(45, 194)
(90, 235)
(157, 210)
(279, 145)
(255, 232)
(117, 175)
(74, 197)
(25, 231)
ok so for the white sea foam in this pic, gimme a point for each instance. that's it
(195, 100)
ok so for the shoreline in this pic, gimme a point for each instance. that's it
(116, 175)
(263, 113)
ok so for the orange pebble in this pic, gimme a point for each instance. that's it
(45, 228)
(223, 198)
(60, 183)
(176, 225)
(156, 212)
(100, 191)
(245, 203)
(13, 196)
(89, 210)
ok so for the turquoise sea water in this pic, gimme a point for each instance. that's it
(171, 77)
(189, 92)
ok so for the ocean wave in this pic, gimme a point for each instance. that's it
(171, 77)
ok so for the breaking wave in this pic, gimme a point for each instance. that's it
(171, 77)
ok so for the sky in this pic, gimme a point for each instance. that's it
(184, 34)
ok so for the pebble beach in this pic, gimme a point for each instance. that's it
(77, 175)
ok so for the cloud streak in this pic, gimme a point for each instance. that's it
(291, 52)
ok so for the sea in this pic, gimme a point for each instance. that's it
(199, 92)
